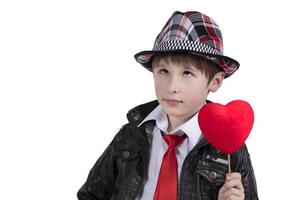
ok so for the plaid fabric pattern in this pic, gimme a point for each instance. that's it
(191, 32)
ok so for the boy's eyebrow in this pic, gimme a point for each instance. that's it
(189, 67)
(159, 65)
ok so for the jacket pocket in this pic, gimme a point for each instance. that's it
(128, 179)
(213, 169)
(126, 152)
(126, 155)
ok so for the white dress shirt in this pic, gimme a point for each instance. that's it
(159, 146)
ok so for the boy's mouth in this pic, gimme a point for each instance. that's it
(172, 101)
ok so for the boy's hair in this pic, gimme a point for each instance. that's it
(209, 68)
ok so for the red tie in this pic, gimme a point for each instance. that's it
(166, 188)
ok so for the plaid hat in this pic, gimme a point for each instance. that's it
(190, 32)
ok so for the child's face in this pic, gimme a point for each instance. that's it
(180, 90)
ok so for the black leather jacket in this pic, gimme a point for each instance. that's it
(121, 171)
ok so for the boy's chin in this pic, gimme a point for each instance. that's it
(174, 113)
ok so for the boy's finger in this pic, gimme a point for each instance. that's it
(234, 175)
(233, 183)
(232, 193)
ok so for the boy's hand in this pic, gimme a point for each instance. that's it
(233, 188)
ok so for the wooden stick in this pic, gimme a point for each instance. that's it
(229, 164)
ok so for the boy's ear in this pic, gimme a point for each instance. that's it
(216, 82)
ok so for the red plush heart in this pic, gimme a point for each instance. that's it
(226, 127)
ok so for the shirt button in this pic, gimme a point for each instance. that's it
(125, 154)
(212, 175)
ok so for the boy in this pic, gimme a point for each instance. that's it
(161, 153)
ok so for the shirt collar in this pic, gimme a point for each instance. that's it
(156, 114)
(190, 127)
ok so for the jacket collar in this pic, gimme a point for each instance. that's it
(137, 114)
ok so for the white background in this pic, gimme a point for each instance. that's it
(68, 78)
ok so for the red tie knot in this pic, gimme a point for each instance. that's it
(173, 140)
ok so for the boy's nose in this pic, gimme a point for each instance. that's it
(173, 91)
(174, 86)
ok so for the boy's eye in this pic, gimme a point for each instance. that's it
(187, 73)
(163, 71)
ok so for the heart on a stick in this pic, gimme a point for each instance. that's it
(226, 127)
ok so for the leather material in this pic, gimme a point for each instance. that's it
(121, 171)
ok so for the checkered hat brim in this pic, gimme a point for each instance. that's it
(190, 32)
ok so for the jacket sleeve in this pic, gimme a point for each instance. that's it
(100, 182)
(242, 164)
